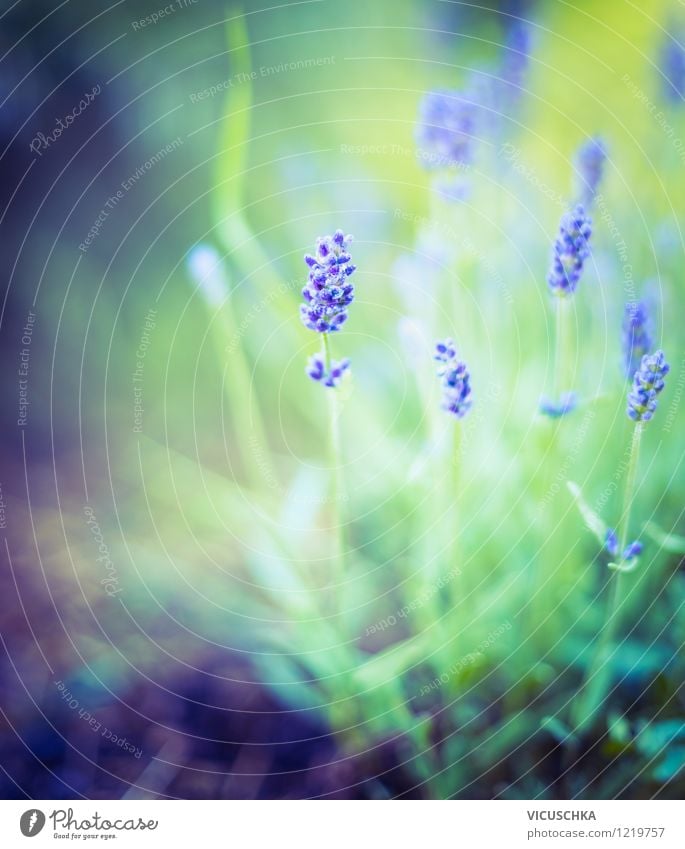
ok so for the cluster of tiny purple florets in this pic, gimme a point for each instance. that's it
(328, 292)
(647, 384)
(331, 377)
(571, 249)
(456, 381)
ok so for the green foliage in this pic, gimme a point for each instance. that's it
(403, 647)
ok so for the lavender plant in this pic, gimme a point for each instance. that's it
(327, 295)
(457, 400)
(571, 250)
(648, 383)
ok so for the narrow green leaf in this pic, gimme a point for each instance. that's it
(593, 522)
(625, 566)
(559, 730)
(669, 542)
(391, 662)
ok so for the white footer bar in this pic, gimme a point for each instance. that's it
(352, 825)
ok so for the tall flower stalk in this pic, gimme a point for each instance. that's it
(571, 249)
(457, 400)
(327, 295)
(648, 382)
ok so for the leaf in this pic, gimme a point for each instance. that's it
(663, 742)
(654, 738)
(391, 662)
(671, 764)
(619, 728)
(559, 730)
(290, 683)
(668, 542)
(593, 522)
(625, 566)
(231, 177)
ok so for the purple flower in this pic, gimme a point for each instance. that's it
(444, 133)
(647, 384)
(556, 409)
(570, 252)
(328, 292)
(633, 550)
(456, 381)
(590, 160)
(611, 542)
(637, 336)
(611, 545)
(445, 352)
(673, 67)
(316, 369)
(514, 64)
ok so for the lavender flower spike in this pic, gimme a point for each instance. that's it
(647, 384)
(328, 292)
(673, 66)
(445, 130)
(515, 63)
(570, 252)
(590, 161)
(456, 381)
(637, 336)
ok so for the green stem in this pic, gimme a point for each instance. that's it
(624, 525)
(540, 598)
(457, 585)
(336, 491)
(561, 355)
(597, 677)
